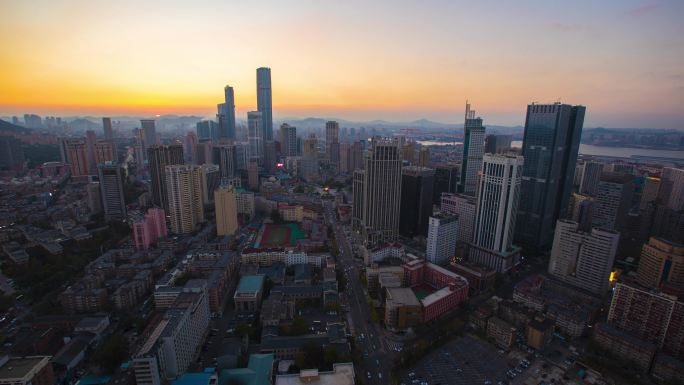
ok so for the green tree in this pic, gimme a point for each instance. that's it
(110, 354)
(243, 329)
(276, 217)
(299, 326)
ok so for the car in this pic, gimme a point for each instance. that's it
(369, 375)
(377, 362)
(380, 375)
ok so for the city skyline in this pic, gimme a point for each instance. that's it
(340, 72)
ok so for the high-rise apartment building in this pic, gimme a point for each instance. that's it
(159, 157)
(381, 191)
(580, 210)
(650, 192)
(358, 178)
(288, 140)
(462, 206)
(675, 176)
(148, 230)
(225, 203)
(253, 175)
(613, 200)
(255, 136)
(416, 200)
(211, 180)
(473, 150)
(185, 197)
(91, 139)
(424, 157)
(190, 146)
(495, 216)
(264, 101)
(111, 186)
(441, 239)
(447, 180)
(661, 266)
(583, 259)
(550, 145)
(591, 176)
(104, 151)
(332, 143)
(76, 156)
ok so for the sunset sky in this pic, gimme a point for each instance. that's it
(357, 60)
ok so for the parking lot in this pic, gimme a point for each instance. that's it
(464, 361)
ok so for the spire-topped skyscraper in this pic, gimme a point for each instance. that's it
(473, 150)
(226, 111)
(264, 101)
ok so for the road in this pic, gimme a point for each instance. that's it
(378, 354)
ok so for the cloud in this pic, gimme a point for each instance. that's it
(564, 27)
(643, 10)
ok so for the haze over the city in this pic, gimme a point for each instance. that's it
(354, 60)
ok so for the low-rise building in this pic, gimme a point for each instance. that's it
(402, 308)
(341, 374)
(30, 370)
(625, 346)
(480, 277)
(501, 331)
(248, 294)
(539, 333)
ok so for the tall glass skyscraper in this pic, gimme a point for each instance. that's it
(264, 101)
(550, 145)
(226, 113)
(473, 150)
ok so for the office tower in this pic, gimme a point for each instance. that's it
(382, 191)
(33, 121)
(424, 157)
(309, 149)
(210, 181)
(550, 146)
(648, 315)
(241, 156)
(675, 176)
(107, 129)
(189, 147)
(462, 206)
(591, 176)
(650, 192)
(288, 140)
(581, 210)
(473, 150)
(147, 231)
(104, 152)
(185, 197)
(11, 153)
(227, 126)
(346, 158)
(495, 215)
(206, 129)
(253, 175)
(358, 149)
(203, 152)
(270, 156)
(613, 200)
(416, 200)
(94, 198)
(91, 139)
(149, 132)
(77, 156)
(308, 164)
(224, 156)
(408, 152)
(264, 102)
(255, 136)
(497, 144)
(623, 168)
(332, 143)
(159, 157)
(441, 239)
(226, 211)
(583, 259)
(447, 178)
(661, 266)
(111, 186)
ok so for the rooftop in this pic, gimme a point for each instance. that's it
(250, 284)
(342, 374)
(403, 295)
(257, 372)
(20, 367)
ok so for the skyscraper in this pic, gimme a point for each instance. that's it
(583, 259)
(441, 239)
(107, 129)
(473, 150)
(613, 201)
(224, 156)
(497, 144)
(184, 194)
(495, 216)
(591, 176)
(255, 136)
(462, 206)
(104, 152)
(447, 177)
(424, 157)
(550, 146)
(675, 176)
(264, 101)
(288, 140)
(228, 128)
(149, 132)
(160, 157)
(358, 178)
(416, 200)
(91, 139)
(226, 211)
(210, 181)
(207, 129)
(76, 156)
(661, 266)
(332, 143)
(382, 191)
(111, 186)
(189, 147)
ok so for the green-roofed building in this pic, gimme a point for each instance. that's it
(248, 293)
(259, 371)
